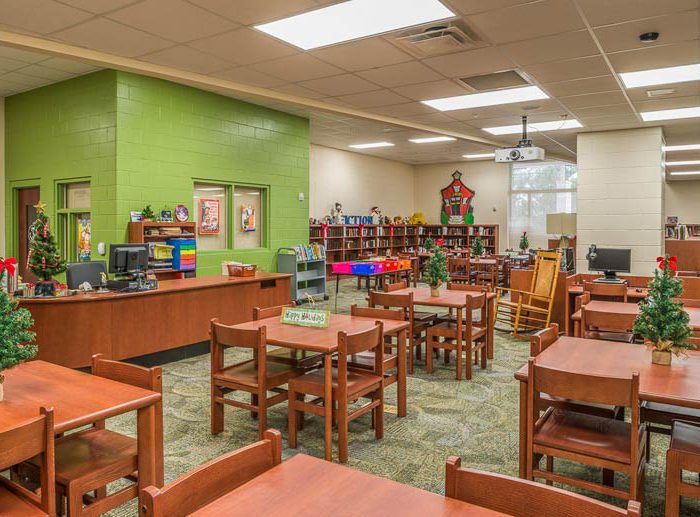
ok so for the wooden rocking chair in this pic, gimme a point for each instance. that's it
(529, 310)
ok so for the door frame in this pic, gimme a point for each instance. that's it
(11, 219)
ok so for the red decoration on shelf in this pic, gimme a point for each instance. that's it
(10, 264)
(672, 262)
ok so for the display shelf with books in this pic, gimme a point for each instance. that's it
(307, 265)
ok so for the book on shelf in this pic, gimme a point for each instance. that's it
(305, 253)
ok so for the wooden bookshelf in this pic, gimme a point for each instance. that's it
(148, 231)
(345, 242)
(673, 231)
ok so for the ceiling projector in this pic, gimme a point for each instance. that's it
(524, 152)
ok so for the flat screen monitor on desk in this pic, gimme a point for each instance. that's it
(610, 261)
(128, 259)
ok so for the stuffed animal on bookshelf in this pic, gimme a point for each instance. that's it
(397, 220)
(418, 218)
(376, 214)
(337, 213)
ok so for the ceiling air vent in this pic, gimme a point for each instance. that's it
(660, 93)
(437, 40)
(495, 81)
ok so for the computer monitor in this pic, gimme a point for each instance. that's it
(78, 273)
(610, 261)
(128, 258)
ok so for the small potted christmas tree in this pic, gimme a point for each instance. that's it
(16, 340)
(435, 270)
(524, 243)
(44, 259)
(662, 322)
(477, 247)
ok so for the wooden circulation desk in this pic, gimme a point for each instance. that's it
(125, 325)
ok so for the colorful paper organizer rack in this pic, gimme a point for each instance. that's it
(184, 254)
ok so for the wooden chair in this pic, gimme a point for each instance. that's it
(420, 317)
(579, 302)
(683, 454)
(281, 355)
(486, 275)
(515, 496)
(365, 360)
(607, 292)
(612, 445)
(212, 480)
(416, 329)
(456, 286)
(539, 342)
(348, 385)
(688, 302)
(255, 376)
(415, 267)
(462, 337)
(87, 461)
(31, 440)
(459, 270)
(530, 310)
(607, 326)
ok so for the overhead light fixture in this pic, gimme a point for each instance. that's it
(493, 98)
(478, 156)
(670, 75)
(210, 189)
(674, 114)
(372, 145)
(432, 139)
(685, 162)
(353, 19)
(685, 173)
(554, 125)
(687, 147)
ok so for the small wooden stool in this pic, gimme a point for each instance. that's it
(683, 454)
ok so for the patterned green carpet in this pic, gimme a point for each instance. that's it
(477, 420)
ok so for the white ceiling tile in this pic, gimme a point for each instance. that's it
(372, 99)
(247, 75)
(471, 62)
(678, 90)
(401, 74)
(7, 65)
(244, 46)
(401, 110)
(339, 85)
(68, 65)
(21, 55)
(658, 56)
(593, 99)
(99, 6)
(478, 6)
(362, 54)
(295, 89)
(108, 36)
(45, 73)
(552, 48)
(296, 68)
(248, 12)
(175, 20)
(186, 58)
(568, 70)
(39, 16)
(673, 28)
(605, 12)
(603, 83)
(669, 103)
(604, 111)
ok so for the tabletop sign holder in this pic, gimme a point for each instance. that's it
(306, 317)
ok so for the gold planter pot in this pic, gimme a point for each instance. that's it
(662, 357)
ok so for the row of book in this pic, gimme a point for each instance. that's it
(305, 253)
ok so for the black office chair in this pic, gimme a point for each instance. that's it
(91, 272)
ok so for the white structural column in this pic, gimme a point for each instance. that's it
(620, 195)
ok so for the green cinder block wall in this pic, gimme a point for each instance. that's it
(164, 137)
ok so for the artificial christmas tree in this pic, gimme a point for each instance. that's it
(477, 247)
(524, 242)
(44, 260)
(662, 322)
(16, 340)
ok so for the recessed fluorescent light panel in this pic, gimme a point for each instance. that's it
(650, 116)
(686, 173)
(478, 156)
(493, 98)
(687, 147)
(432, 139)
(554, 125)
(352, 20)
(372, 145)
(671, 75)
(685, 162)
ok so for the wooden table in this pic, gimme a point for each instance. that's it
(367, 276)
(304, 485)
(483, 261)
(678, 384)
(634, 295)
(455, 299)
(633, 308)
(325, 341)
(125, 325)
(80, 399)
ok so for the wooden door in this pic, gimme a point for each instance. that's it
(26, 199)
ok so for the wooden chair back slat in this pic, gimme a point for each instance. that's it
(514, 496)
(688, 302)
(395, 286)
(613, 391)
(606, 321)
(212, 480)
(134, 375)
(233, 337)
(475, 302)
(546, 270)
(610, 292)
(378, 313)
(542, 339)
(365, 341)
(455, 286)
(581, 300)
(389, 300)
(270, 312)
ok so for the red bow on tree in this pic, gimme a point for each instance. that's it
(439, 242)
(9, 264)
(672, 262)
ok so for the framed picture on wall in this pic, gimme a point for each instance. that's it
(248, 217)
(209, 217)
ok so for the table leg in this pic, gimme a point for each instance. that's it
(328, 405)
(523, 430)
(458, 359)
(490, 322)
(402, 344)
(150, 467)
